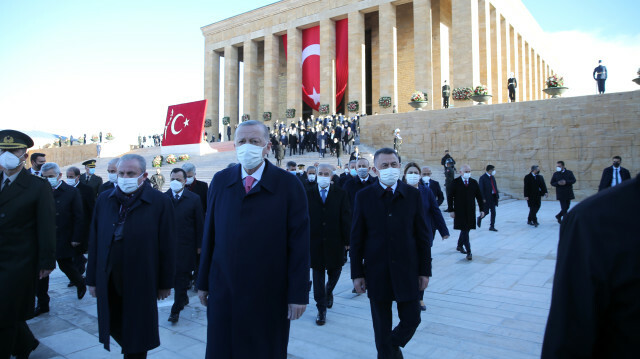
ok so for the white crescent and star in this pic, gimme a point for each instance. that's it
(173, 123)
(311, 50)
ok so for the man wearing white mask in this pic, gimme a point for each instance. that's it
(89, 177)
(251, 251)
(132, 259)
(490, 195)
(189, 219)
(88, 203)
(330, 216)
(311, 180)
(363, 179)
(389, 236)
(464, 190)
(563, 181)
(198, 187)
(433, 185)
(112, 173)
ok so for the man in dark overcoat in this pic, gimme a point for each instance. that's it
(563, 181)
(363, 179)
(132, 259)
(490, 195)
(198, 187)
(112, 173)
(89, 177)
(434, 186)
(464, 190)
(330, 216)
(27, 242)
(250, 251)
(595, 311)
(614, 175)
(534, 189)
(189, 219)
(390, 253)
(69, 234)
(88, 203)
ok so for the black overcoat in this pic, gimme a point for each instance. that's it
(88, 203)
(595, 311)
(107, 186)
(69, 220)
(390, 246)
(461, 199)
(486, 190)
(563, 192)
(27, 243)
(250, 251)
(434, 186)
(150, 246)
(607, 177)
(200, 188)
(330, 227)
(534, 189)
(189, 219)
(355, 184)
(94, 182)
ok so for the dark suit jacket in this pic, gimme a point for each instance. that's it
(27, 243)
(594, 305)
(69, 220)
(107, 186)
(88, 203)
(486, 191)
(434, 186)
(330, 227)
(563, 192)
(600, 73)
(94, 182)
(189, 219)
(534, 189)
(461, 199)
(200, 188)
(390, 246)
(355, 184)
(607, 177)
(435, 221)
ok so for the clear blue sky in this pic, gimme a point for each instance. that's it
(74, 67)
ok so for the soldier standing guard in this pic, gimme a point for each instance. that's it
(446, 92)
(27, 242)
(90, 178)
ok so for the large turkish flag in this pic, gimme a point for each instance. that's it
(184, 124)
(311, 67)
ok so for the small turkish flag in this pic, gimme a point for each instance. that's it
(184, 124)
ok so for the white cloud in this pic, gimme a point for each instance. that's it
(574, 55)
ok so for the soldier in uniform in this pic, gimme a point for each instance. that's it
(446, 92)
(90, 178)
(27, 242)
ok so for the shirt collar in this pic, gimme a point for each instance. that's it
(320, 188)
(393, 188)
(11, 178)
(179, 194)
(364, 179)
(257, 174)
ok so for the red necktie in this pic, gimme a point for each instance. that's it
(248, 183)
(492, 186)
(466, 183)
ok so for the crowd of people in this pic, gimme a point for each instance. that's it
(223, 240)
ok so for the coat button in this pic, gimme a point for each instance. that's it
(390, 214)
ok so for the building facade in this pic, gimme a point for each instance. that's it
(394, 48)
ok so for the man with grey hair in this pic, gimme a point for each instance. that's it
(534, 189)
(112, 170)
(198, 187)
(132, 246)
(250, 251)
(464, 190)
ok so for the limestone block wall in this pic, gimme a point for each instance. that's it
(67, 155)
(585, 132)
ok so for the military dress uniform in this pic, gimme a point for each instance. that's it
(91, 180)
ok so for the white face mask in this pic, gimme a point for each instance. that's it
(324, 182)
(558, 169)
(311, 178)
(92, 171)
(113, 177)
(493, 173)
(9, 161)
(250, 156)
(71, 181)
(426, 179)
(353, 172)
(363, 172)
(389, 176)
(53, 181)
(128, 185)
(413, 178)
(190, 180)
(466, 175)
(176, 186)
(293, 172)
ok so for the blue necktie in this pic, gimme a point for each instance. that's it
(616, 174)
(323, 194)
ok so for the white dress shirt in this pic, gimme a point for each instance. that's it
(257, 175)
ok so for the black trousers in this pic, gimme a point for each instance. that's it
(564, 207)
(69, 269)
(512, 94)
(445, 102)
(533, 212)
(115, 318)
(182, 284)
(15, 339)
(601, 86)
(80, 261)
(463, 240)
(320, 290)
(492, 209)
(387, 338)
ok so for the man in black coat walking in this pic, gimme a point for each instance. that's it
(534, 189)
(88, 203)
(595, 312)
(112, 172)
(390, 237)
(198, 187)
(330, 223)
(464, 190)
(490, 195)
(614, 175)
(189, 219)
(355, 184)
(563, 181)
(434, 186)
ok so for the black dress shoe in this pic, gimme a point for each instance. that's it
(70, 285)
(469, 257)
(329, 300)
(26, 355)
(173, 317)
(321, 319)
(559, 218)
(479, 221)
(493, 229)
(536, 224)
(41, 309)
(530, 223)
(82, 290)
(461, 250)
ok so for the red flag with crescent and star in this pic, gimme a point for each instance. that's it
(184, 124)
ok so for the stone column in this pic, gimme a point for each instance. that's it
(436, 55)
(423, 65)
(545, 68)
(357, 76)
(327, 64)
(484, 43)
(515, 60)
(388, 55)
(496, 56)
(250, 102)
(231, 80)
(534, 75)
(212, 90)
(465, 51)
(294, 71)
(522, 81)
(527, 68)
(271, 65)
(540, 77)
(506, 56)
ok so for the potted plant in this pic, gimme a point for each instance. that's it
(384, 102)
(226, 120)
(291, 113)
(324, 109)
(353, 106)
(95, 138)
(481, 94)
(461, 93)
(555, 86)
(418, 100)
(184, 157)
(246, 117)
(157, 161)
(637, 79)
(109, 136)
(207, 122)
(266, 116)
(171, 159)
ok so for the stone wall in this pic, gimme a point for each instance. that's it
(585, 132)
(67, 155)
